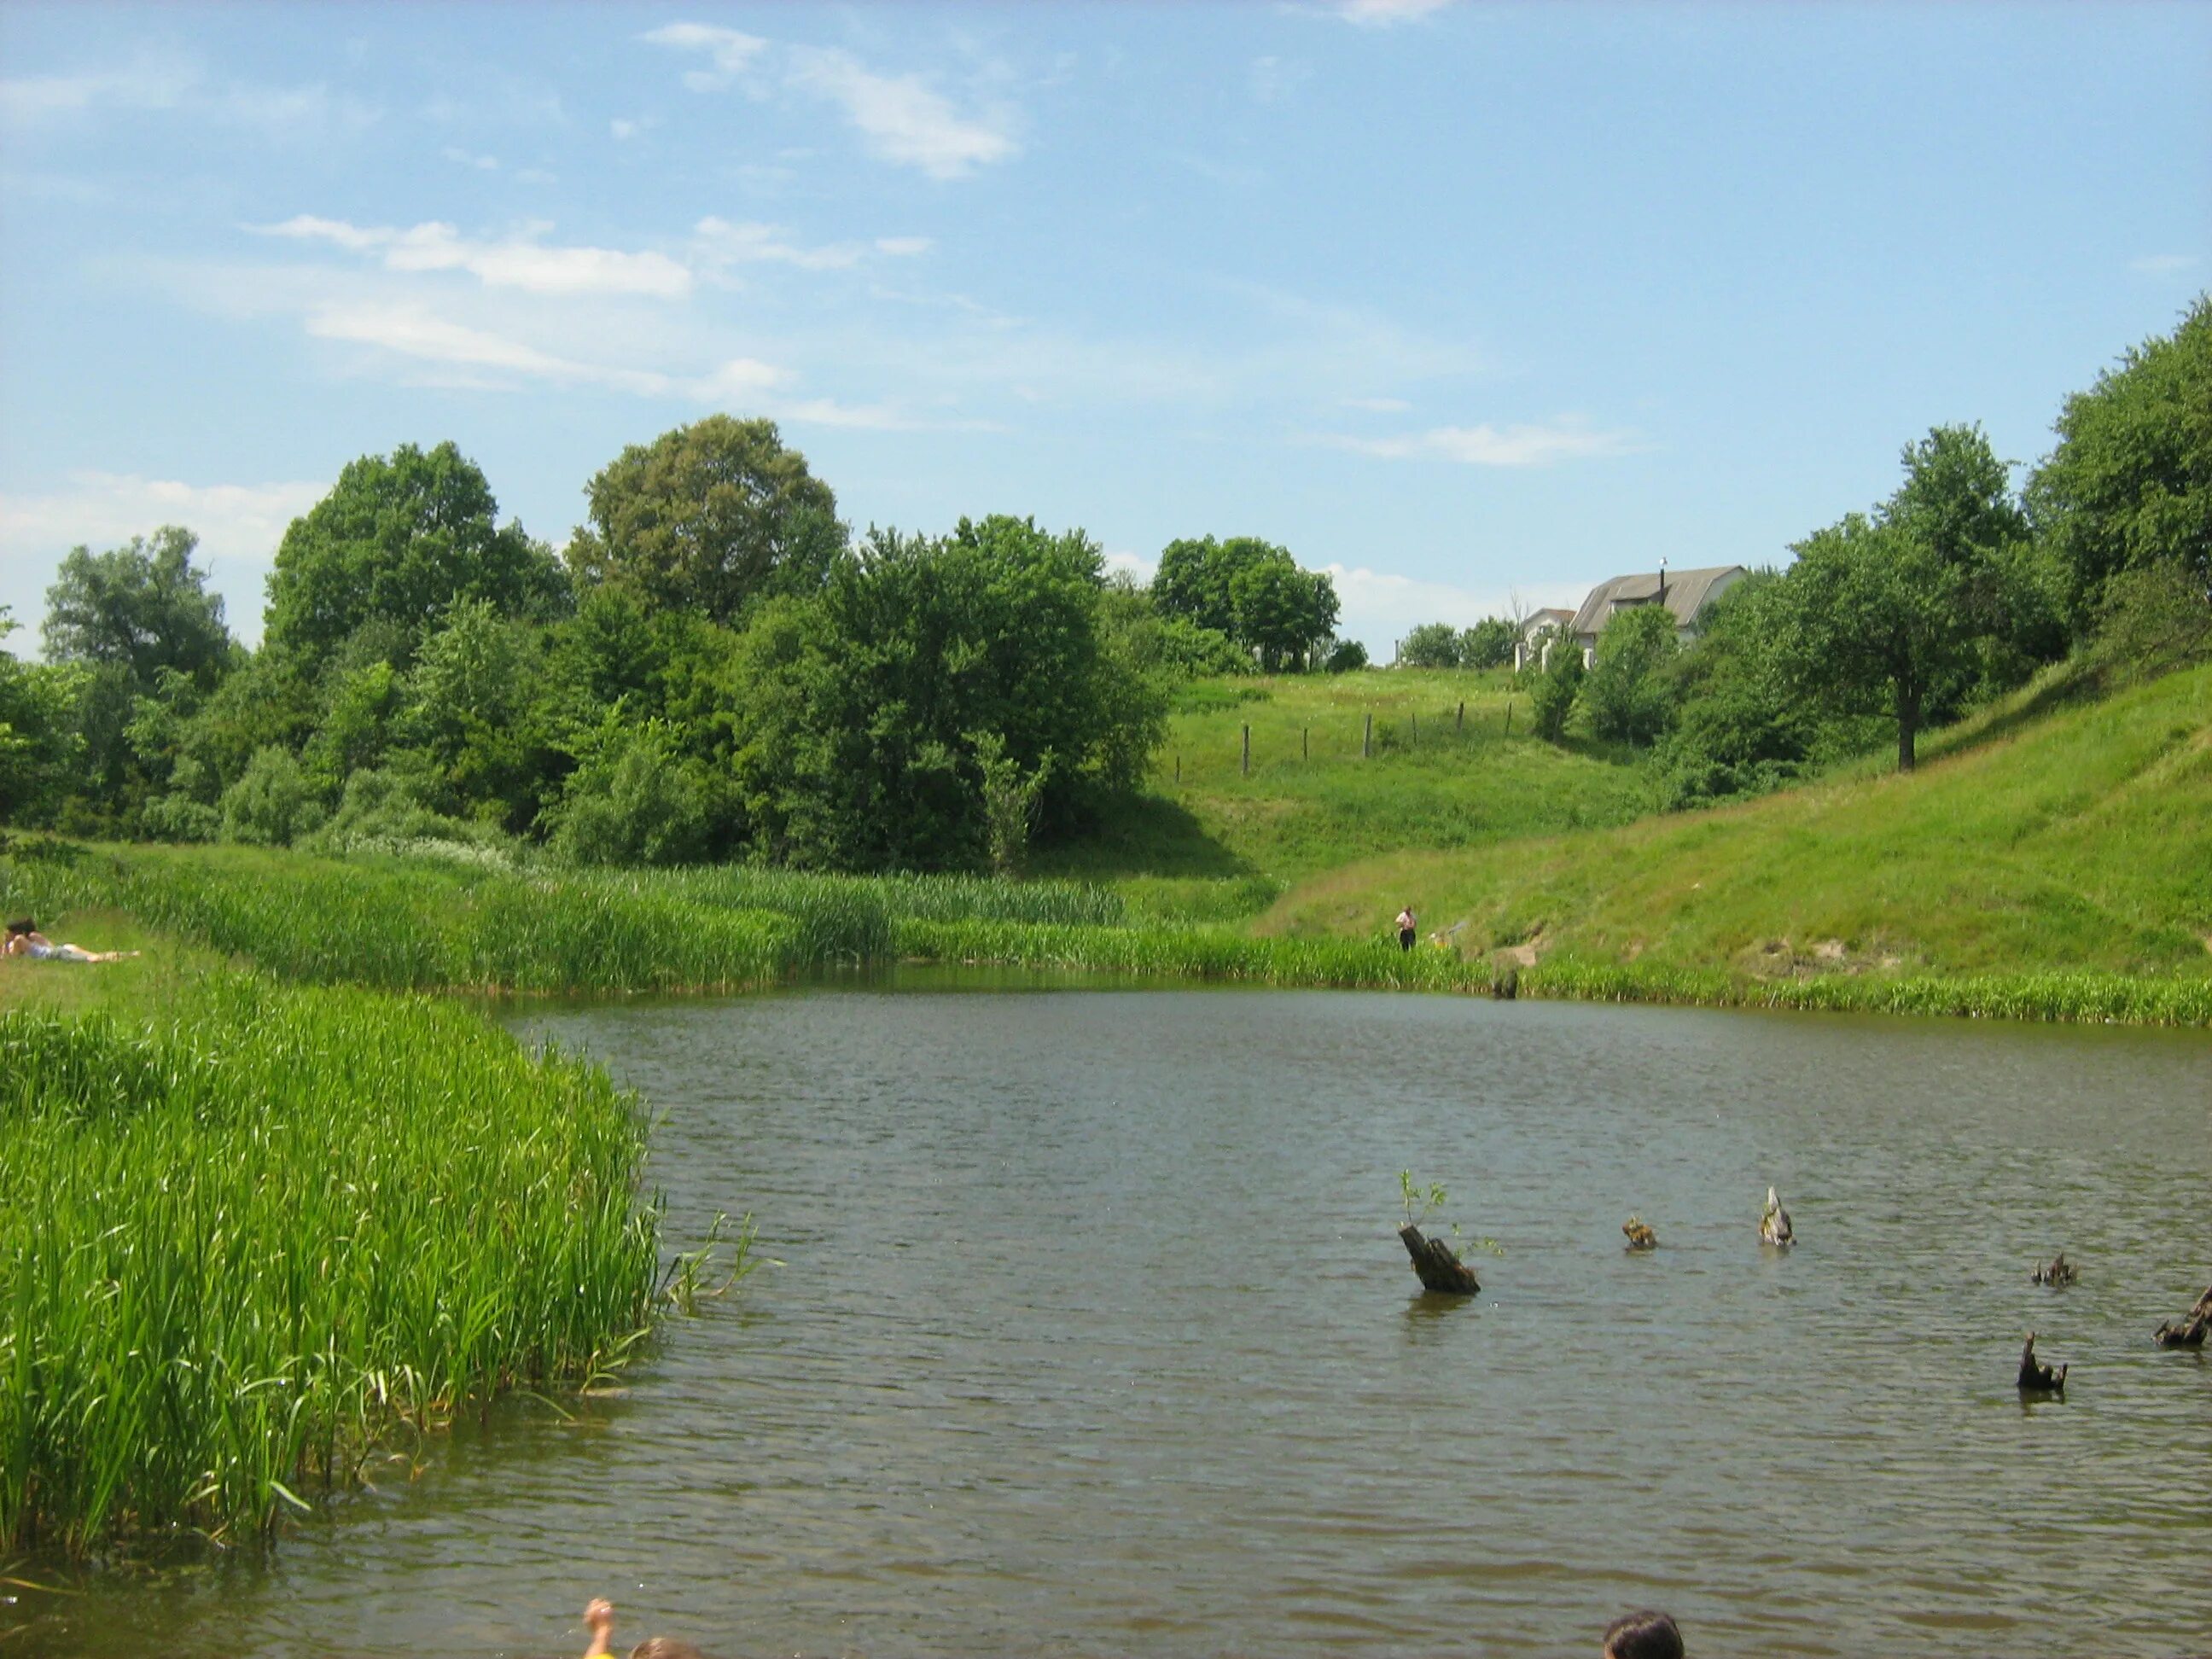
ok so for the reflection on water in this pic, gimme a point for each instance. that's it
(1092, 1336)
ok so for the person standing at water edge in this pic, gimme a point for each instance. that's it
(1405, 927)
(1645, 1635)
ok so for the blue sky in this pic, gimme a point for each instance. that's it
(1459, 301)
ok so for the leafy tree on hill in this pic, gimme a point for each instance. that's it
(1488, 644)
(1346, 656)
(1431, 645)
(400, 540)
(1629, 695)
(1890, 613)
(1251, 591)
(709, 516)
(1738, 731)
(2129, 484)
(1283, 611)
(1195, 574)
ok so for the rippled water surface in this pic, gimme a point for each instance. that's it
(1090, 1336)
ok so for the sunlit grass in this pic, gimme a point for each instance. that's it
(243, 1243)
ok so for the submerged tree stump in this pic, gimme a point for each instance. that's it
(2190, 1332)
(1435, 1264)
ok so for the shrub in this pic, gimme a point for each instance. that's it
(271, 803)
(1347, 655)
(1553, 690)
(634, 801)
(1432, 645)
(1629, 697)
(2155, 618)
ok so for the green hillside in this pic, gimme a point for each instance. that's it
(2030, 841)
(1436, 779)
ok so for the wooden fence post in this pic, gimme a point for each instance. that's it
(1459, 719)
(1305, 743)
(1178, 768)
(1508, 717)
(1248, 750)
(1367, 737)
(1417, 731)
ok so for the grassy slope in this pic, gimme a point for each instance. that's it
(1449, 786)
(2079, 840)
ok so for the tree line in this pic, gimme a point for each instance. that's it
(713, 667)
(1954, 589)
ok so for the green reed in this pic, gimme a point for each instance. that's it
(241, 1249)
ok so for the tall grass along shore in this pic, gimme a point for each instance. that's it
(243, 1244)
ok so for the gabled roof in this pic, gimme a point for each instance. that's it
(1548, 617)
(1687, 594)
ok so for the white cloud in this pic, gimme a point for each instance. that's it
(454, 152)
(722, 243)
(1490, 446)
(1379, 405)
(238, 526)
(154, 83)
(900, 118)
(622, 130)
(728, 50)
(1382, 13)
(521, 262)
(458, 354)
(2162, 264)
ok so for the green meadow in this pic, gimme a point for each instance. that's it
(1451, 763)
(2057, 833)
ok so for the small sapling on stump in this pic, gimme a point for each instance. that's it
(1437, 1265)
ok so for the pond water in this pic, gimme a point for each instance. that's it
(1091, 1335)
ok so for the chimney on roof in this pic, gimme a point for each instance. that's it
(1663, 582)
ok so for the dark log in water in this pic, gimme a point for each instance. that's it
(2035, 1376)
(1436, 1266)
(2057, 1273)
(2191, 1330)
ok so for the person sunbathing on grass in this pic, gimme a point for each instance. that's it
(24, 940)
(599, 1620)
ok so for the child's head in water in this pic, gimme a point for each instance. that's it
(599, 1620)
(1643, 1636)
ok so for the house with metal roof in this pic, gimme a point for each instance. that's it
(1536, 635)
(1685, 593)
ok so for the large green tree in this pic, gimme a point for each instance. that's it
(1283, 612)
(879, 720)
(2129, 484)
(400, 539)
(143, 607)
(137, 618)
(1892, 612)
(709, 516)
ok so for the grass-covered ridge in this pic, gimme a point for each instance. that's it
(1437, 778)
(2040, 841)
(242, 1240)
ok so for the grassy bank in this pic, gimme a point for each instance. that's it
(1436, 778)
(243, 1241)
(2066, 850)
